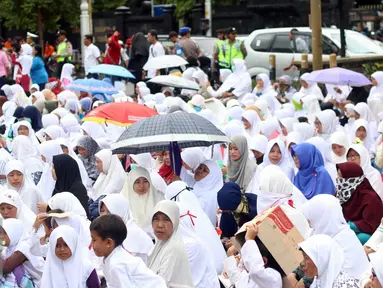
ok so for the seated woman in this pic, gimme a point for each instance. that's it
(142, 196)
(209, 181)
(240, 167)
(312, 178)
(19, 267)
(258, 145)
(325, 216)
(169, 258)
(66, 263)
(252, 122)
(323, 259)
(326, 123)
(339, 146)
(191, 159)
(362, 207)
(138, 243)
(22, 183)
(237, 208)
(87, 149)
(358, 154)
(263, 85)
(166, 171)
(362, 135)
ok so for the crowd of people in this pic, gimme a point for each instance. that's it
(77, 215)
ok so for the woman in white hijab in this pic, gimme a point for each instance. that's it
(66, 74)
(191, 159)
(169, 258)
(67, 202)
(276, 189)
(17, 210)
(54, 132)
(209, 181)
(275, 155)
(142, 196)
(112, 176)
(362, 111)
(24, 151)
(263, 85)
(50, 119)
(323, 259)
(326, 123)
(47, 183)
(71, 127)
(25, 128)
(310, 88)
(240, 167)
(263, 106)
(324, 148)
(239, 80)
(17, 243)
(93, 130)
(200, 260)
(287, 124)
(235, 113)
(311, 107)
(305, 130)
(271, 129)
(361, 134)
(178, 191)
(65, 96)
(258, 146)
(377, 90)
(137, 242)
(359, 154)
(22, 183)
(72, 272)
(252, 122)
(325, 215)
(339, 147)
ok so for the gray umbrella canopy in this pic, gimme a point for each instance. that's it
(157, 132)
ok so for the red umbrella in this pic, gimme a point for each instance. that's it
(121, 114)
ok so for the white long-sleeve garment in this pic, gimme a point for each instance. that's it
(261, 276)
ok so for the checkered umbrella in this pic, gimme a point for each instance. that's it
(157, 132)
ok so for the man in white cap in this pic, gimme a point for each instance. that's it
(30, 38)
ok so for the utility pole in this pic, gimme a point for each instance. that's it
(208, 16)
(316, 28)
(84, 23)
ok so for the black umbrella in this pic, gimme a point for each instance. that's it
(157, 132)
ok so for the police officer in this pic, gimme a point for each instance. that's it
(64, 51)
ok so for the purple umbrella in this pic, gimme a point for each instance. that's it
(339, 76)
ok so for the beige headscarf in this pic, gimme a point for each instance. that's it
(49, 95)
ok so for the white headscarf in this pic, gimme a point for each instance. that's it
(141, 205)
(206, 190)
(329, 123)
(262, 105)
(94, 130)
(288, 123)
(31, 133)
(249, 99)
(312, 88)
(311, 107)
(325, 215)
(235, 113)
(339, 138)
(327, 256)
(365, 113)
(377, 91)
(193, 157)
(368, 142)
(253, 118)
(200, 258)
(112, 178)
(9, 109)
(70, 124)
(50, 119)
(171, 252)
(234, 127)
(259, 143)
(304, 129)
(47, 183)
(65, 96)
(67, 72)
(137, 241)
(201, 77)
(67, 202)
(159, 98)
(377, 263)
(55, 132)
(28, 190)
(177, 191)
(224, 73)
(269, 127)
(73, 106)
(73, 272)
(370, 172)
(266, 83)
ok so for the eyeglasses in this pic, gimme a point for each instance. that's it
(174, 198)
(353, 156)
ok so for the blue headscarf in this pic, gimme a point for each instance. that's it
(86, 104)
(229, 198)
(312, 178)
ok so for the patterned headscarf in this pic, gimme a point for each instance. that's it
(91, 146)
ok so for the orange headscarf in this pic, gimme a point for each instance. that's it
(49, 95)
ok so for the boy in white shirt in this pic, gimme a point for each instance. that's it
(120, 268)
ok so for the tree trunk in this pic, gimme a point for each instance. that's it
(40, 27)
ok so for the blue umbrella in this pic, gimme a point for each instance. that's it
(92, 86)
(113, 70)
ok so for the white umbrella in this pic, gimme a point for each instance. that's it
(165, 61)
(175, 81)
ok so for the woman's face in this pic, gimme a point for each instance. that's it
(8, 211)
(141, 186)
(167, 158)
(99, 165)
(304, 84)
(234, 152)
(246, 123)
(201, 172)
(64, 149)
(257, 154)
(308, 266)
(47, 137)
(296, 161)
(54, 176)
(15, 178)
(318, 126)
(260, 83)
(361, 133)
(284, 130)
(357, 115)
(23, 130)
(162, 226)
(338, 150)
(62, 250)
(275, 154)
(83, 152)
(291, 145)
(103, 209)
(353, 156)
(374, 82)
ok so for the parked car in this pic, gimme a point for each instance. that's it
(262, 43)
